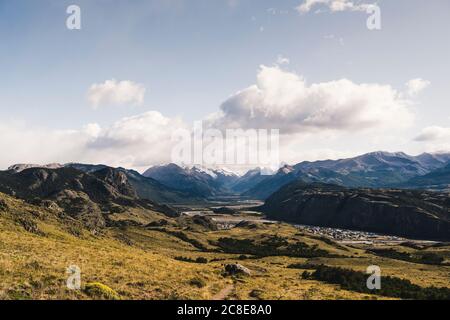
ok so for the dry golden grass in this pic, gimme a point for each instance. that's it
(140, 264)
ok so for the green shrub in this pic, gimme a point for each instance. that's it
(390, 286)
(197, 282)
(256, 293)
(307, 266)
(198, 260)
(201, 260)
(272, 246)
(425, 258)
(98, 290)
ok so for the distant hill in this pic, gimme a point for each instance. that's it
(287, 174)
(89, 197)
(146, 187)
(406, 213)
(248, 180)
(438, 179)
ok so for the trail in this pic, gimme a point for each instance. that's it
(224, 293)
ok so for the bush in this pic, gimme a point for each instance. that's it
(29, 225)
(307, 266)
(197, 282)
(306, 275)
(201, 260)
(431, 258)
(390, 286)
(198, 260)
(3, 205)
(272, 246)
(256, 293)
(426, 258)
(98, 290)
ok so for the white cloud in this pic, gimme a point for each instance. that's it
(319, 120)
(26, 144)
(284, 100)
(415, 86)
(133, 142)
(136, 142)
(434, 133)
(116, 93)
(434, 139)
(333, 5)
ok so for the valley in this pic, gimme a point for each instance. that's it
(152, 256)
(243, 215)
(188, 233)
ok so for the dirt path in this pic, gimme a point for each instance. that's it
(224, 293)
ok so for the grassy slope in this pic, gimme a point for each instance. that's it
(139, 263)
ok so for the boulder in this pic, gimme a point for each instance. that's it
(236, 269)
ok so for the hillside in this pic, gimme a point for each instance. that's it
(88, 197)
(146, 187)
(416, 214)
(438, 179)
(182, 260)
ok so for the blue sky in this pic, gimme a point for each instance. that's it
(191, 56)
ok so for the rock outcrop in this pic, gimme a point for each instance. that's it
(236, 269)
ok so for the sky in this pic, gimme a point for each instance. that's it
(114, 91)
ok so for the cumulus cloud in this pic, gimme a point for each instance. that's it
(116, 93)
(333, 5)
(141, 133)
(415, 86)
(316, 120)
(28, 144)
(132, 142)
(434, 133)
(284, 100)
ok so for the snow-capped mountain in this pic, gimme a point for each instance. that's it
(196, 180)
(375, 169)
(23, 166)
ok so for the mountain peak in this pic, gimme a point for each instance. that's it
(23, 166)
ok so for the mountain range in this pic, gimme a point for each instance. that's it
(371, 170)
(172, 183)
(195, 181)
(372, 192)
